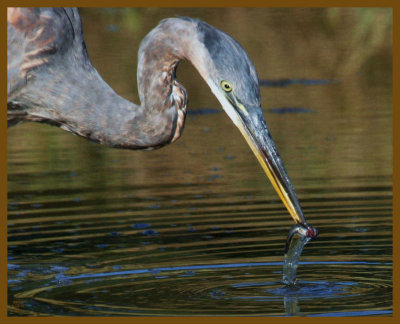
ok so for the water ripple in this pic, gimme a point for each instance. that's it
(192, 289)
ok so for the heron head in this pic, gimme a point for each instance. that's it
(233, 79)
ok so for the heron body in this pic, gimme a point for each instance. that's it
(51, 80)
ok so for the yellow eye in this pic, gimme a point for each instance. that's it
(226, 86)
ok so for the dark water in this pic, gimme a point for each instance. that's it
(195, 228)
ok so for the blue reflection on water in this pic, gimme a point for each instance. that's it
(288, 82)
(291, 110)
(219, 266)
(355, 313)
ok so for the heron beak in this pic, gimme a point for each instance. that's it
(255, 131)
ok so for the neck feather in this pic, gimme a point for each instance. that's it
(161, 95)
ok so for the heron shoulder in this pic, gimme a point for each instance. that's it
(43, 32)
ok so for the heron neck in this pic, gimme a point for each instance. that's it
(160, 93)
(163, 99)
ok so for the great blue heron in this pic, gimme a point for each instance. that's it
(51, 80)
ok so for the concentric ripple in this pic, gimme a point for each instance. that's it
(214, 290)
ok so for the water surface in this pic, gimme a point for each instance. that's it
(195, 228)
